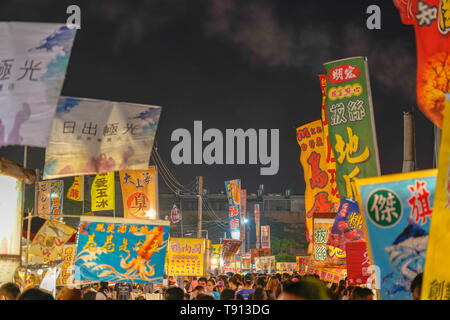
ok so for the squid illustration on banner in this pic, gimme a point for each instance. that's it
(102, 192)
(317, 178)
(233, 188)
(140, 193)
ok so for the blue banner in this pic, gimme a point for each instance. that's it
(121, 252)
(233, 188)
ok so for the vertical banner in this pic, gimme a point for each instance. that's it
(186, 257)
(265, 237)
(330, 159)
(175, 214)
(76, 190)
(357, 263)
(33, 62)
(302, 264)
(257, 226)
(233, 188)
(230, 247)
(66, 268)
(43, 196)
(216, 250)
(121, 250)
(56, 199)
(351, 122)
(243, 213)
(102, 192)
(139, 193)
(436, 277)
(317, 179)
(396, 215)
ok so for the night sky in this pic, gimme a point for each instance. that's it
(235, 64)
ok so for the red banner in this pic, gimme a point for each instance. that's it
(357, 263)
(265, 237)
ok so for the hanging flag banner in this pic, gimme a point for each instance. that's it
(43, 198)
(33, 62)
(243, 213)
(347, 225)
(102, 192)
(436, 277)
(233, 188)
(265, 237)
(230, 247)
(233, 266)
(328, 274)
(120, 250)
(175, 214)
(323, 254)
(76, 190)
(317, 179)
(50, 199)
(259, 253)
(431, 21)
(302, 264)
(139, 193)
(265, 265)
(257, 225)
(358, 263)
(66, 268)
(396, 215)
(186, 257)
(216, 250)
(330, 159)
(96, 136)
(351, 122)
(47, 243)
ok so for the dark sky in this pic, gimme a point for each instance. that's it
(235, 64)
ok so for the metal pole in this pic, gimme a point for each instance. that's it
(181, 213)
(200, 206)
(408, 142)
(82, 195)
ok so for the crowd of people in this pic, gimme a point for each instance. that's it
(251, 286)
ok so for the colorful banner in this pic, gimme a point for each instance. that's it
(265, 237)
(351, 122)
(265, 265)
(120, 250)
(358, 263)
(33, 62)
(288, 267)
(50, 199)
(216, 250)
(233, 188)
(140, 193)
(397, 212)
(257, 225)
(67, 267)
(243, 213)
(347, 225)
(317, 179)
(96, 136)
(230, 248)
(186, 257)
(431, 21)
(436, 277)
(323, 254)
(328, 274)
(8, 269)
(103, 192)
(47, 243)
(11, 201)
(302, 264)
(330, 159)
(76, 190)
(43, 199)
(175, 214)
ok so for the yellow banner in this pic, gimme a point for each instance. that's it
(102, 192)
(75, 191)
(313, 160)
(139, 193)
(67, 267)
(186, 257)
(436, 277)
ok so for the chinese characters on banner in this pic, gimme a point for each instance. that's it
(50, 199)
(102, 192)
(96, 136)
(265, 265)
(286, 267)
(119, 250)
(47, 243)
(351, 122)
(256, 252)
(216, 250)
(317, 178)
(139, 193)
(257, 225)
(302, 264)
(76, 190)
(186, 257)
(396, 215)
(431, 21)
(33, 62)
(357, 263)
(436, 275)
(265, 237)
(243, 213)
(65, 276)
(233, 189)
(230, 248)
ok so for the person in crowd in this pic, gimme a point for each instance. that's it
(249, 281)
(239, 297)
(140, 297)
(9, 291)
(416, 286)
(258, 294)
(202, 282)
(174, 293)
(273, 288)
(227, 294)
(186, 284)
(69, 294)
(211, 288)
(35, 294)
(197, 290)
(220, 285)
(103, 292)
(122, 291)
(307, 289)
(187, 296)
(360, 293)
(233, 284)
(192, 284)
(88, 293)
(260, 281)
(204, 297)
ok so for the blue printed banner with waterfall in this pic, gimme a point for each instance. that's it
(96, 136)
(121, 252)
(33, 63)
(397, 214)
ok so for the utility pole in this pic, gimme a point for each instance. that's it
(200, 206)
(409, 147)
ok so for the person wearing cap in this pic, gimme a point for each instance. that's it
(220, 286)
(249, 281)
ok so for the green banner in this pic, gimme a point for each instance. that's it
(351, 122)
